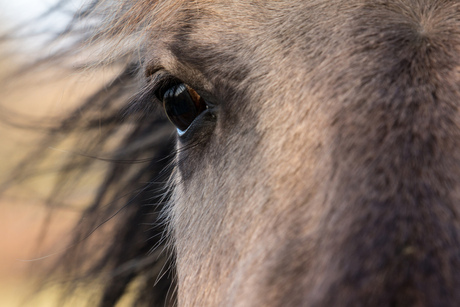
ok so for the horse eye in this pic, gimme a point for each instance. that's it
(182, 105)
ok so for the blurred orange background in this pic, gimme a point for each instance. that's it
(25, 250)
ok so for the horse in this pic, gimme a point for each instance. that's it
(270, 153)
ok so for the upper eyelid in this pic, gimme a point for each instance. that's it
(155, 81)
(161, 77)
(158, 79)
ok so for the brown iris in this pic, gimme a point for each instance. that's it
(182, 105)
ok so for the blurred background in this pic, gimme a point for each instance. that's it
(30, 237)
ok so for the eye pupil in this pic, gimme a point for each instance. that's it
(182, 105)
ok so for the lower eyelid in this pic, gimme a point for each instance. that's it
(203, 122)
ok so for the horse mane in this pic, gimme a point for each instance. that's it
(133, 141)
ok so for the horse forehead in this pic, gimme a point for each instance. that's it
(239, 38)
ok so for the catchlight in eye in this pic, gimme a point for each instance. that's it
(182, 105)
